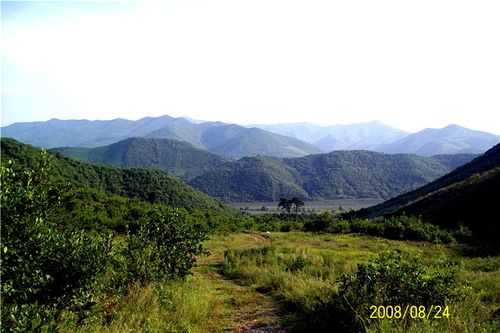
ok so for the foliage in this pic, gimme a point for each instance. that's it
(339, 174)
(328, 280)
(176, 157)
(164, 247)
(398, 279)
(466, 196)
(396, 227)
(45, 267)
(51, 264)
(153, 186)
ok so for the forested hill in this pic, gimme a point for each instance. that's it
(177, 157)
(482, 170)
(340, 174)
(149, 185)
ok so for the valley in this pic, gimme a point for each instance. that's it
(250, 166)
(210, 243)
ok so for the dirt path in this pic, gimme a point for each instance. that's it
(248, 311)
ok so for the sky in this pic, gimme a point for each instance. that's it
(409, 64)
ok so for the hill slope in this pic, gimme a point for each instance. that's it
(148, 185)
(225, 139)
(176, 157)
(341, 174)
(452, 139)
(467, 195)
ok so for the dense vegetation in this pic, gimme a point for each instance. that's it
(49, 268)
(153, 186)
(465, 196)
(176, 157)
(330, 281)
(348, 174)
(84, 247)
(341, 174)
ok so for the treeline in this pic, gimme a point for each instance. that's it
(395, 227)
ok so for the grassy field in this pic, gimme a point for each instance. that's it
(264, 282)
(310, 206)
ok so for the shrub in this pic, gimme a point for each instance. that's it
(397, 279)
(320, 222)
(164, 247)
(45, 267)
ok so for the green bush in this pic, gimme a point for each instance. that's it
(320, 222)
(397, 279)
(45, 267)
(164, 247)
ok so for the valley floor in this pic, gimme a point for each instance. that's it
(316, 206)
(257, 298)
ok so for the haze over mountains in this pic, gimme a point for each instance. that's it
(375, 136)
(340, 174)
(451, 139)
(278, 140)
(340, 137)
(217, 137)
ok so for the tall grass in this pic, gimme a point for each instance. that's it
(302, 270)
(177, 307)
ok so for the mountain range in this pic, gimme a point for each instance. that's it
(339, 174)
(452, 139)
(366, 136)
(224, 139)
(235, 141)
(375, 136)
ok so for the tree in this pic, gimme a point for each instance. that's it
(297, 203)
(285, 204)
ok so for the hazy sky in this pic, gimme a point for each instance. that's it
(410, 64)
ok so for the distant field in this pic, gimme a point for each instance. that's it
(310, 206)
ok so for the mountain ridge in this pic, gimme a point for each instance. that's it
(230, 140)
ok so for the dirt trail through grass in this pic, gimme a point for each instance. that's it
(247, 310)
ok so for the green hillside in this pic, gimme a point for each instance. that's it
(341, 174)
(467, 196)
(149, 185)
(486, 162)
(177, 157)
(251, 179)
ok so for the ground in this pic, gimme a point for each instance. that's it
(257, 297)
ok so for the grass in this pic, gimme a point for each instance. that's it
(301, 270)
(270, 280)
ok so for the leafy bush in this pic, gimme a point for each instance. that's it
(45, 267)
(397, 279)
(402, 227)
(320, 222)
(50, 264)
(164, 247)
